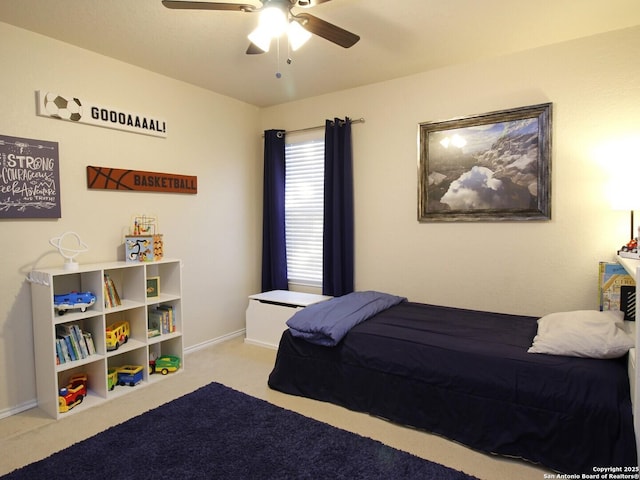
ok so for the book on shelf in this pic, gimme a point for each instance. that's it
(154, 322)
(616, 289)
(65, 332)
(161, 320)
(111, 296)
(82, 344)
(61, 351)
(72, 343)
(88, 339)
(169, 317)
(64, 342)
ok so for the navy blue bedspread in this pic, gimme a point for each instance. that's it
(467, 375)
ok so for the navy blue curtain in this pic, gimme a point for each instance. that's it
(274, 249)
(338, 241)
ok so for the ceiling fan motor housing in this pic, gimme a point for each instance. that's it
(311, 23)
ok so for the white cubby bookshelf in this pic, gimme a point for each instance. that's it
(130, 281)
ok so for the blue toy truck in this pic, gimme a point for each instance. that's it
(129, 375)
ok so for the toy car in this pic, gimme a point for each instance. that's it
(71, 300)
(631, 246)
(112, 378)
(73, 393)
(117, 334)
(129, 375)
(166, 364)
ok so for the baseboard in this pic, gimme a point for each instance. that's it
(260, 344)
(18, 408)
(214, 341)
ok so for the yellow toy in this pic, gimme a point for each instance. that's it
(73, 393)
(117, 334)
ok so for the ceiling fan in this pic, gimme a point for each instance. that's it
(276, 18)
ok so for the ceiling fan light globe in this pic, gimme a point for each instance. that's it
(261, 38)
(274, 20)
(298, 36)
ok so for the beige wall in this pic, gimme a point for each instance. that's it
(527, 268)
(215, 233)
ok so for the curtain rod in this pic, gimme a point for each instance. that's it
(308, 129)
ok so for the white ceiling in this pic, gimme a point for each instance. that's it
(398, 38)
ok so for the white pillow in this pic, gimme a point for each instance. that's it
(582, 333)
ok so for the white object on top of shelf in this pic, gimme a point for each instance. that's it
(38, 277)
(71, 251)
(634, 255)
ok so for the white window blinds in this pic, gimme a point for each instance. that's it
(304, 195)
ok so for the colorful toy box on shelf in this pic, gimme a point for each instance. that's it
(144, 244)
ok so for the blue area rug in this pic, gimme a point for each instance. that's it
(219, 433)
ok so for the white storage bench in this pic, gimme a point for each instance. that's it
(268, 313)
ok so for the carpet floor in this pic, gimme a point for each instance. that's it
(217, 432)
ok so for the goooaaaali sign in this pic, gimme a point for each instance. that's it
(80, 110)
(104, 178)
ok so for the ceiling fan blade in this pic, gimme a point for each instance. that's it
(254, 50)
(328, 31)
(180, 5)
(310, 3)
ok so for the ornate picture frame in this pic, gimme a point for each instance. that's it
(490, 167)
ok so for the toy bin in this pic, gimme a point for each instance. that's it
(143, 248)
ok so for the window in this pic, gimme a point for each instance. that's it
(304, 195)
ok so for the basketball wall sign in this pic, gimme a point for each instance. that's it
(104, 178)
(77, 110)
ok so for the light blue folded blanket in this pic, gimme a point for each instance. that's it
(325, 323)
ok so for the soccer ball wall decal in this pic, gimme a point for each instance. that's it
(59, 107)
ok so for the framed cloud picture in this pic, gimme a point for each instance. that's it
(490, 167)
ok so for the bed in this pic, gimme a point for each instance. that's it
(467, 375)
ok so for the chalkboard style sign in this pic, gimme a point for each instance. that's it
(29, 178)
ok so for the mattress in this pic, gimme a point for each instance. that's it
(467, 375)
